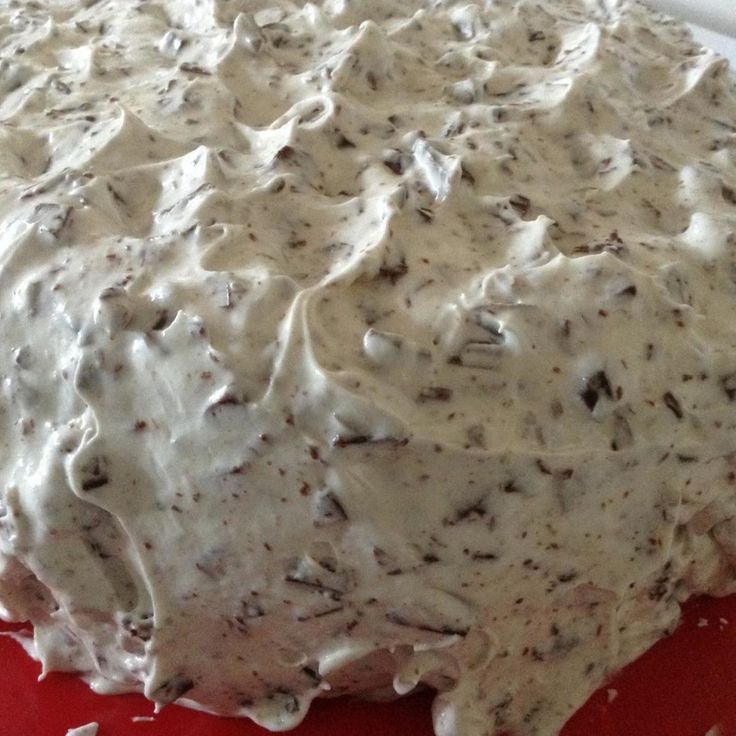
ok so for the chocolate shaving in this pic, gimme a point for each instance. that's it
(139, 626)
(343, 142)
(434, 393)
(476, 435)
(329, 509)
(116, 195)
(316, 585)
(194, 69)
(225, 400)
(543, 468)
(660, 588)
(393, 162)
(53, 217)
(95, 473)
(97, 548)
(395, 272)
(477, 509)
(596, 385)
(400, 620)
(172, 689)
(285, 153)
(95, 482)
(212, 565)
(312, 675)
(521, 204)
(673, 404)
(567, 577)
(728, 384)
(321, 614)
(465, 175)
(62, 87)
(162, 320)
(622, 434)
(728, 194)
(342, 441)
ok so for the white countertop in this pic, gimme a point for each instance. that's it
(713, 22)
(718, 15)
(725, 45)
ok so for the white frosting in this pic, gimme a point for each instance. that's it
(363, 343)
(89, 729)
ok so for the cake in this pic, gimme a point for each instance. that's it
(355, 346)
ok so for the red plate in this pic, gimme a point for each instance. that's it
(682, 687)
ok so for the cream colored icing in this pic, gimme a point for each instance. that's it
(89, 729)
(363, 343)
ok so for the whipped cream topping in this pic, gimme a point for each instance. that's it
(360, 344)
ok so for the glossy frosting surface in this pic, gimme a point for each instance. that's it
(363, 343)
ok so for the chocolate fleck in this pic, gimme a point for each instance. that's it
(521, 204)
(728, 194)
(393, 162)
(393, 272)
(434, 393)
(596, 385)
(728, 384)
(673, 404)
